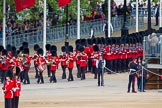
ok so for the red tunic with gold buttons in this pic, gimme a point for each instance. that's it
(17, 87)
(63, 58)
(26, 64)
(83, 59)
(55, 62)
(95, 56)
(70, 61)
(8, 86)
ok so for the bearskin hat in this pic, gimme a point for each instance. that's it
(63, 49)
(77, 47)
(9, 47)
(108, 41)
(36, 47)
(25, 44)
(14, 51)
(48, 47)
(54, 53)
(4, 52)
(9, 74)
(81, 48)
(103, 40)
(78, 42)
(1, 48)
(89, 41)
(99, 41)
(53, 48)
(70, 48)
(17, 71)
(40, 51)
(26, 51)
(21, 48)
(95, 47)
(84, 42)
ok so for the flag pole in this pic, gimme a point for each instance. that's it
(78, 21)
(136, 15)
(67, 23)
(160, 14)
(44, 26)
(109, 18)
(4, 22)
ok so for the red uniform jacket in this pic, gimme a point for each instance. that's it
(123, 53)
(70, 61)
(26, 64)
(17, 87)
(95, 56)
(77, 56)
(8, 89)
(108, 55)
(83, 60)
(5, 64)
(63, 59)
(35, 58)
(41, 61)
(55, 62)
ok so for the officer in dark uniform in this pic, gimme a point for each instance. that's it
(133, 68)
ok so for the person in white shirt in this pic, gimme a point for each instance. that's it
(105, 29)
(100, 65)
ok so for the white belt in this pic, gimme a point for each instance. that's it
(132, 70)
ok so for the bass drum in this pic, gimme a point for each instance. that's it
(41, 68)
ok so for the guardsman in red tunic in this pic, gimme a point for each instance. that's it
(36, 47)
(26, 65)
(95, 56)
(123, 58)
(41, 65)
(77, 56)
(1, 49)
(5, 65)
(7, 90)
(48, 54)
(89, 50)
(83, 62)
(63, 59)
(16, 90)
(70, 63)
(116, 57)
(54, 61)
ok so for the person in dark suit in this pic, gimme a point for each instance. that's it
(157, 14)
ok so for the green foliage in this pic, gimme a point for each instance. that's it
(33, 12)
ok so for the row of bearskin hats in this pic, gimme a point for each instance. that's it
(129, 39)
(23, 49)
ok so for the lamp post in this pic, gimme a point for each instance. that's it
(124, 30)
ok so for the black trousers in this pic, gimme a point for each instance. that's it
(64, 72)
(8, 103)
(157, 20)
(89, 64)
(116, 65)
(123, 65)
(15, 102)
(70, 77)
(94, 69)
(100, 77)
(48, 70)
(0, 73)
(131, 81)
(36, 71)
(40, 77)
(79, 71)
(3, 76)
(53, 77)
(83, 73)
(111, 65)
(26, 77)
